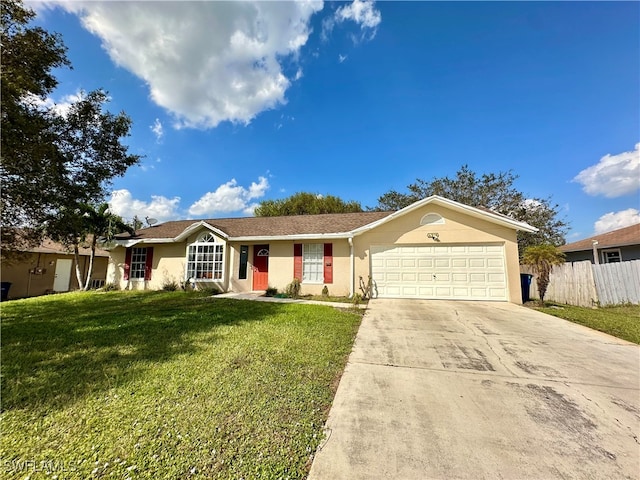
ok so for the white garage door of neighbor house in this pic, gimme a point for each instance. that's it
(460, 272)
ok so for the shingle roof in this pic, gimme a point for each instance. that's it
(617, 238)
(267, 226)
(49, 246)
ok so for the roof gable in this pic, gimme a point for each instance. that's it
(482, 213)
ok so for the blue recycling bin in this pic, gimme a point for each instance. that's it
(4, 292)
(525, 286)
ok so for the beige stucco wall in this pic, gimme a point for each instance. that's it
(281, 267)
(458, 228)
(169, 265)
(26, 284)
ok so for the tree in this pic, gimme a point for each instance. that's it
(51, 161)
(101, 226)
(89, 142)
(94, 224)
(495, 191)
(304, 203)
(28, 156)
(542, 259)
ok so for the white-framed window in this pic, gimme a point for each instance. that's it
(138, 263)
(205, 258)
(611, 256)
(312, 262)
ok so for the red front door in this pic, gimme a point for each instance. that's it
(260, 267)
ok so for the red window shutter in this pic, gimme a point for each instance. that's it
(297, 261)
(328, 263)
(148, 264)
(127, 263)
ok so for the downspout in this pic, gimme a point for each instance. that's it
(351, 268)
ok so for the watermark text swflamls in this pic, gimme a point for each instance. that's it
(32, 465)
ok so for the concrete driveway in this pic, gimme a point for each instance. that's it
(444, 390)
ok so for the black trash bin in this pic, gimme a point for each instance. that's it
(525, 286)
(4, 293)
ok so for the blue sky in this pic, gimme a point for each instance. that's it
(234, 103)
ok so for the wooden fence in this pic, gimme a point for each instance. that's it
(587, 285)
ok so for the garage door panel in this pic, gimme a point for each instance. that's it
(460, 277)
(409, 291)
(496, 292)
(472, 272)
(495, 277)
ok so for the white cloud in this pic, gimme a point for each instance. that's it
(206, 62)
(615, 220)
(157, 130)
(161, 208)
(60, 107)
(361, 12)
(613, 176)
(230, 197)
(342, 58)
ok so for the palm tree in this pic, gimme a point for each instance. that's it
(102, 226)
(542, 259)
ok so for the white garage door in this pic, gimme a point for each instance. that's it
(461, 272)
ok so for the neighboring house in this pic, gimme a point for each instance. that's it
(617, 246)
(51, 267)
(434, 248)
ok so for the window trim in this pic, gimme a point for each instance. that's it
(327, 271)
(244, 262)
(138, 262)
(603, 257)
(207, 239)
(148, 264)
(317, 263)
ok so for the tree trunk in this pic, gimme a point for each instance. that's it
(90, 272)
(76, 254)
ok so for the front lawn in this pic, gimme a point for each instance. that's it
(166, 385)
(622, 322)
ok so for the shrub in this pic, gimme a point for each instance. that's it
(210, 290)
(110, 287)
(271, 292)
(293, 289)
(357, 299)
(170, 286)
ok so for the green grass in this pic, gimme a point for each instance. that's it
(166, 385)
(622, 322)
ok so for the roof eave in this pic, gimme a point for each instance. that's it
(599, 247)
(195, 226)
(302, 236)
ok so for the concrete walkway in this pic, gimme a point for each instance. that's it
(479, 390)
(259, 297)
